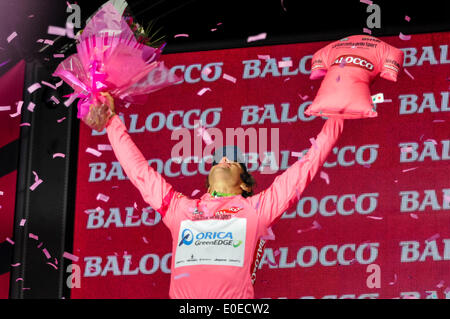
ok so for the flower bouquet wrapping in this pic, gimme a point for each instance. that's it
(111, 59)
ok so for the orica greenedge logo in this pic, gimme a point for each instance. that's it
(208, 238)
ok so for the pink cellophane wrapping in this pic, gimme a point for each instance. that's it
(110, 59)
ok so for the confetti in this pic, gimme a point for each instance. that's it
(435, 236)
(22, 222)
(46, 253)
(325, 177)
(49, 42)
(375, 217)
(269, 236)
(54, 266)
(31, 106)
(395, 280)
(446, 199)
(69, 30)
(5, 108)
(214, 29)
(264, 57)
(276, 252)
(181, 35)
(447, 290)
(104, 147)
(9, 240)
(431, 140)
(33, 87)
(59, 155)
(404, 37)
(48, 84)
(438, 121)
(313, 142)
(366, 165)
(1, 193)
(261, 36)
(229, 78)
(407, 18)
(316, 225)
(409, 74)
(15, 265)
(56, 30)
(54, 99)
(70, 256)
(102, 197)
(195, 192)
(39, 246)
(70, 100)
(181, 276)
(440, 284)
(18, 279)
(93, 152)
(30, 235)
(409, 169)
(366, 2)
(365, 30)
(286, 79)
(61, 119)
(297, 154)
(202, 91)
(25, 124)
(59, 83)
(11, 36)
(285, 64)
(201, 131)
(19, 109)
(37, 181)
(4, 63)
(282, 5)
(303, 97)
(145, 239)
(206, 71)
(414, 216)
(406, 149)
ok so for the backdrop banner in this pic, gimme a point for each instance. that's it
(373, 223)
(11, 91)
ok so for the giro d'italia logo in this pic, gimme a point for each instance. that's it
(187, 237)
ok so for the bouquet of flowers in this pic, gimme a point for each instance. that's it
(113, 55)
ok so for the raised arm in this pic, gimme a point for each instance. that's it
(273, 201)
(152, 186)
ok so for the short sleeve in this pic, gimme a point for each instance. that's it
(392, 62)
(319, 63)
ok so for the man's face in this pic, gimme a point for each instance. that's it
(226, 171)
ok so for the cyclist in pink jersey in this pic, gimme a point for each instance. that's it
(215, 237)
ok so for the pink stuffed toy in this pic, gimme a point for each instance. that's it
(350, 65)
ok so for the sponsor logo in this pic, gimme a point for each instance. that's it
(208, 238)
(354, 60)
(187, 237)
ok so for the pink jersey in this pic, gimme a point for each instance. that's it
(350, 65)
(215, 239)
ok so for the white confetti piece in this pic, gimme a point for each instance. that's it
(261, 36)
(5, 108)
(145, 239)
(22, 222)
(375, 217)
(406, 149)
(440, 284)
(285, 64)
(431, 140)
(270, 235)
(59, 83)
(409, 169)
(61, 119)
(33, 87)
(206, 70)
(325, 177)
(59, 155)
(37, 181)
(54, 266)
(297, 154)
(93, 152)
(31, 106)
(56, 30)
(102, 197)
(19, 109)
(104, 147)
(316, 225)
(195, 192)
(263, 56)
(70, 256)
(181, 35)
(414, 216)
(54, 99)
(205, 135)
(366, 2)
(202, 91)
(11, 36)
(229, 78)
(409, 74)
(303, 97)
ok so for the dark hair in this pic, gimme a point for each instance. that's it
(246, 177)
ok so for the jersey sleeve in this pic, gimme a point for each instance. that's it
(272, 202)
(319, 65)
(392, 62)
(152, 186)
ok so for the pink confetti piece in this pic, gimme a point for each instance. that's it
(69, 30)
(15, 265)
(31, 106)
(46, 253)
(9, 240)
(325, 177)
(431, 140)
(438, 121)
(31, 235)
(229, 78)
(70, 100)
(25, 124)
(206, 71)
(49, 42)
(435, 236)
(313, 142)
(195, 192)
(11, 36)
(70, 256)
(276, 252)
(406, 149)
(440, 284)
(395, 280)
(285, 64)
(5, 108)
(19, 109)
(447, 290)
(54, 266)
(54, 99)
(365, 30)
(48, 84)
(39, 246)
(303, 97)
(316, 225)
(297, 154)
(58, 55)
(286, 79)
(181, 276)
(213, 29)
(404, 37)
(409, 74)
(1, 193)
(409, 169)
(56, 30)
(407, 18)
(145, 239)
(93, 152)
(261, 36)
(102, 197)
(56, 261)
(181, 35)
(263, 57)
(202, 91)
(59, 155)
(270, 235)
(375, 217)
(61, 119)
(36, 184)
(19, 279)
(366, 2)
(22, 222)
(58, 84)
(205, 135)
(414, 216)
(104, 147)
(33, 87)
